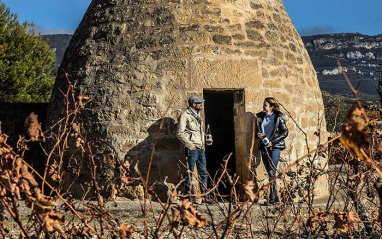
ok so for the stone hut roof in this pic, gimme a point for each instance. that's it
(139, 57)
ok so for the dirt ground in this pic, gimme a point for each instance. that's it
(260, 221)
(254, 226)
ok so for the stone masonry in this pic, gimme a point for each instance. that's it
(137, 58)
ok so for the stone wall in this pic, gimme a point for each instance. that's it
(139, 58)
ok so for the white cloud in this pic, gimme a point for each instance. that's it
(309, 31)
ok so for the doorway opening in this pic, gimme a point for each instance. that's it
(221, 108)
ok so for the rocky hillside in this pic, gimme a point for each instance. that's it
(361, 55)
(59, 43)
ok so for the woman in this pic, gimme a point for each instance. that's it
(271, 129)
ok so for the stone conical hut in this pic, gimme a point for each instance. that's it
(139, 57)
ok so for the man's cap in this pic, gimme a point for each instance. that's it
(195, 99)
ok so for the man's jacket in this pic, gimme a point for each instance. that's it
(190, 130)
(279, 133)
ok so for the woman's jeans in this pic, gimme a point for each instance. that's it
(197, 157)
(270, 160)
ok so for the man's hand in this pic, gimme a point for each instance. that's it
(261, 135)
(269, 145)
(210, 142)
(193, 148)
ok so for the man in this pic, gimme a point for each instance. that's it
(190, 132)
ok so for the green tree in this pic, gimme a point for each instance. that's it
(27, 64)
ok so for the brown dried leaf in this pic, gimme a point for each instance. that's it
(4, 177)
(79, 142)
(45, 200)
(33, 204)
(22, 144)
(16, 192)
(354, 134)
(33, 128)
(344, 221)
(4, 147)
(41, 203)
(52, 222)
(54, 173)
(354, 115)
(126, 231)
(25, 174)
(185, 214)
(3, 191)
(18, 163)
(248, 187)
(76, 129)
(340, 219)
(4, 151)
(24, 187)
(353, 219)
(3, 139)
(353, 137)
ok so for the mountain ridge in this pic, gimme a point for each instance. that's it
(59, 43)
(360, 55)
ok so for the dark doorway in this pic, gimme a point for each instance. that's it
(219, 115)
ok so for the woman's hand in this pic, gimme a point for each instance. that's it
(261, 135)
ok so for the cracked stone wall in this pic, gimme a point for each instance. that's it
(139, 57)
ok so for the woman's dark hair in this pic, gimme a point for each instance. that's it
(272, 102)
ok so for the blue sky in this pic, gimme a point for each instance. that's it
(336, 16)
(50, 16)
(309, 16)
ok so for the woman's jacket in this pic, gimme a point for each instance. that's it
(279, 133)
